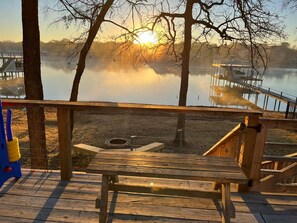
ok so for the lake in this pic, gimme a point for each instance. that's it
(102, 82)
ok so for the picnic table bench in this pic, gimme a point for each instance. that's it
(219, 170)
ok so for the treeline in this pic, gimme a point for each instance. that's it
(283, 55)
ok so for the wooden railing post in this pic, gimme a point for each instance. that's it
(63, 116)
(258, 155)
(246, 153)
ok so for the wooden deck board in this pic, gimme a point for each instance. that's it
(41, 196)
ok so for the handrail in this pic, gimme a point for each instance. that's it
(234, 132)
(129, 107)
(64, 114)
(272, 123)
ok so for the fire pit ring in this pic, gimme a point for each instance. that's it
(117, 143)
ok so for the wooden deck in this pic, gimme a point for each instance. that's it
(40, 196)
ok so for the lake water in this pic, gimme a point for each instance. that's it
(144, 84)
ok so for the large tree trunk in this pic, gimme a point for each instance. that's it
(33, 83)
(181, 119)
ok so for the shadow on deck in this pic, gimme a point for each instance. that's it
(41, 196)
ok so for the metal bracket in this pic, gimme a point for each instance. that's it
(250, 183)
(257, 127)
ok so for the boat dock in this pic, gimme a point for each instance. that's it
(12, 75)
(11, 65)
(239, 76)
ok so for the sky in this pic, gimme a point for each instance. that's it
(11, 26)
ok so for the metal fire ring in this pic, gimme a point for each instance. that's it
(117, 143)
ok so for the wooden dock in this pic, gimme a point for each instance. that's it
(40, 196)
(240, 77)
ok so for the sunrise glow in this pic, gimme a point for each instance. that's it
(146, 38)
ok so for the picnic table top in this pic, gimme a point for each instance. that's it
(167, 165)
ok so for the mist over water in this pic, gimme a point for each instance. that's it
(158, 84)
(110, 82)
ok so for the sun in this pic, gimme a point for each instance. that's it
(146, 38)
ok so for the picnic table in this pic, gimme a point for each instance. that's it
(219, 170)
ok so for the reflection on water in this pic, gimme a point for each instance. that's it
(138, 85)
(144, 84)
(12, 87)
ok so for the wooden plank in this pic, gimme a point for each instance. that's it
(104, 199)
(129, 107)
(273, 123)
(22, 219)
(77, 205)
(152, 147)
(220, 177)
(87, 148)
(226, 215)
(280, 218)
(278, 145)
(233, 132)
(247, 149)
(258, 155)
(261, 205)
(279, 158)
(180, 213)
(168, 157)
(168, 165)
(63, 116)
(48, 214)
(165, 190)
(271, 180)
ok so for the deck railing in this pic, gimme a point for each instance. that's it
(268, 172)
(229, 145)
(274, 172)
(63, 109)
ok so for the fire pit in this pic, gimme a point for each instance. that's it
(117, 143)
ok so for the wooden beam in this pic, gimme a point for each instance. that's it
(104, 199)
(278, 145)
(270, 181)
(165, 190)
(63, 116)
(279, 158)
(87, 148)
(273, 123)
(152, 147)
(226, 203)
(258, 155)
(247, 150)
(108, 106)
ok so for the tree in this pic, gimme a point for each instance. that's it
(33, 84)
(247, 22)
(91, 15)
(292, 4)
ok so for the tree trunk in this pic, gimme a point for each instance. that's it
(84, 52)
(33, 83)
(181, 119)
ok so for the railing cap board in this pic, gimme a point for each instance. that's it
(129, 106)
(273, 123)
